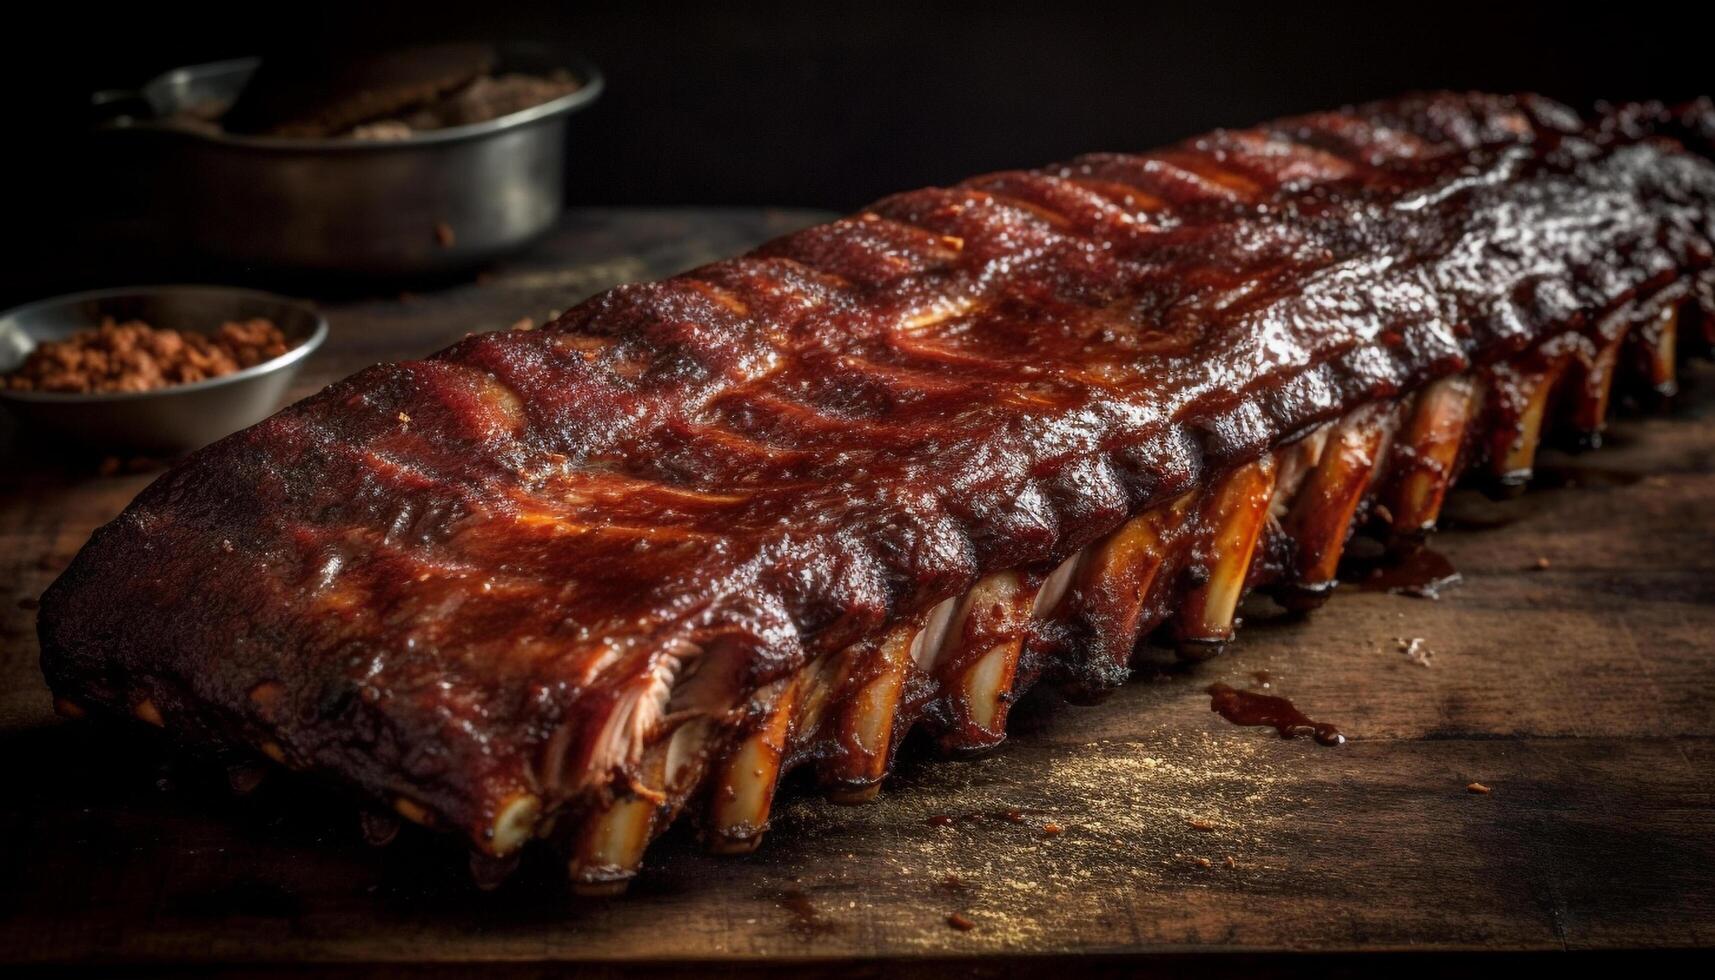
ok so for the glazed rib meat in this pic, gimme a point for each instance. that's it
(889, 471)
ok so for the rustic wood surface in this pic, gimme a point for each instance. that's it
(1579, 693)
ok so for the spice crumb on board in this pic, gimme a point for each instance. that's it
(1200, 823)
(1415, 650)
(960, 922)
(1478, 788)
(1053, 829)
(1204, 863)
(1541, 564)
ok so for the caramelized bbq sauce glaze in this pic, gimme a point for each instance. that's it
(470, 577)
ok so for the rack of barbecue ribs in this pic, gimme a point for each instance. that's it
(887, 473)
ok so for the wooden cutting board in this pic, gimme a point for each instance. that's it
(1570, 674)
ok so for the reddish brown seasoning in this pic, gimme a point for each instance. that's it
(958, 921)
(133, 356)
(1478, 788)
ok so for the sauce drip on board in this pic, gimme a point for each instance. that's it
(1423, 573)
(1252, 709)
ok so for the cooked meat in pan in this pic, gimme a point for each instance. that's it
(890, 471)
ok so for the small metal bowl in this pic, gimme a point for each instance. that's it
(163, 421)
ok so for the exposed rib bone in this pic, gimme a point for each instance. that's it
(1657, 338)
(1592, 384)
(413, 811)
(1320, 519)
(980, 659)
(988, 691)
(863, 729)
(606, 851)
(146, 710)
(1518, 401)
(608, 848)
(1426, 457)
(514, 824)
(1056, 585)
(1109, 600)
(745, 781)
(930, 641)
(1233, 514)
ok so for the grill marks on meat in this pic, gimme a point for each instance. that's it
(889, 470)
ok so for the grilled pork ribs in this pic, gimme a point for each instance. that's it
(890, 471)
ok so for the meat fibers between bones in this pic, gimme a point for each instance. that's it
(889, 470)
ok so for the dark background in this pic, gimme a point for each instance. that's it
(832, 104)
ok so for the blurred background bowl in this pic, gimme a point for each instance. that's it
(164, 421)
(436, 204)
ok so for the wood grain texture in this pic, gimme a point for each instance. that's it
(1579, 693)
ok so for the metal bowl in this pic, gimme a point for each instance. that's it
(437, 203)
(164, 421)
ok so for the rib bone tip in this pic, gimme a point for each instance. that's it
(413, 811)
(729, 843)
(1509, 485)
(601, 887)
(514, 824)
(1196, 650)
(852, 794)
(148, 713)
(965, 748)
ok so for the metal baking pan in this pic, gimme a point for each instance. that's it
(437, 203)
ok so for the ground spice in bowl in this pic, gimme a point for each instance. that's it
(134, 356)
